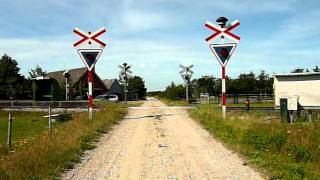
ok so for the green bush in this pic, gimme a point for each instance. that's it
(300, 153)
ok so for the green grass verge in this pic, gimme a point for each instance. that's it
(49, 154)
(26, 125)
(283, 151)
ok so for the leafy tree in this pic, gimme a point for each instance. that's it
(205, 84)
(136, 86)
(12, 84)
(36, 72)
(262, 81)
(174, 92)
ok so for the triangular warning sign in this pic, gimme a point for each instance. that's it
(89, 57)
(223, 52)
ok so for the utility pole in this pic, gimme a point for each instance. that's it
(124, 76)
(186, 74)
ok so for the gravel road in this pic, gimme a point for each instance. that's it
(160, 143)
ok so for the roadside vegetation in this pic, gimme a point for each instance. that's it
(48, 154)
(26, 125)
(171, 102)
(283, 151)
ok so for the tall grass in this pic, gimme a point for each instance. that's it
(284, 151)
(50, 154)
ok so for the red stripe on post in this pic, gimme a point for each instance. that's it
(223, 72)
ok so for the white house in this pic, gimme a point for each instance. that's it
(298, 88)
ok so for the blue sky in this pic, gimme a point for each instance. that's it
(155, 36)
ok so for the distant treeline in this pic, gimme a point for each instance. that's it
(244, 84)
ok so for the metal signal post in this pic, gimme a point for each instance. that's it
(90, 53)
(186, 74)
(124, 76)
(224, 50)
(223, 78)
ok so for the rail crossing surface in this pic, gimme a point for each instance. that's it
(153, 142)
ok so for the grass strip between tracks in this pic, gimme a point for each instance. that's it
(49, 154)
(283, 151)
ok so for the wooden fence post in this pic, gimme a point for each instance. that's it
(9, 139)
(49, 119)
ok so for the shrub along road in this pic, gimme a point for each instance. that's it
(160, 143)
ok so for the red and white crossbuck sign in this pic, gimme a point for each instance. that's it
(89, 37)
(223, 31)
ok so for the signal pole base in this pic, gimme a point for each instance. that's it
(90, 113)
(224, 112)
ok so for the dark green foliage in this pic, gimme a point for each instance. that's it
(174, 92)
(208, 84)
(12, 84)
(300, 153)
(251, 84)
(244, 84)
(36, 72)
(263, 140)
(137, 87)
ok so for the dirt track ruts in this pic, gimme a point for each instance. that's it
(172, 147)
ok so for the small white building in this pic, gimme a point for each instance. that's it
(298, 88)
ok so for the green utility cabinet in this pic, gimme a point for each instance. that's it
(284, 110)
